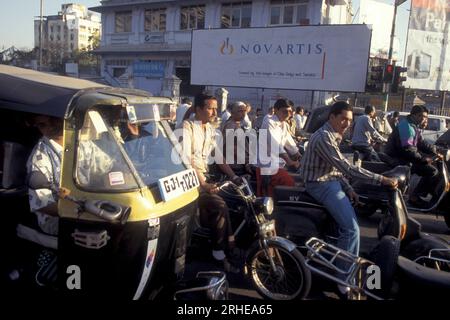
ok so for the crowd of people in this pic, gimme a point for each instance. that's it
(322, 168)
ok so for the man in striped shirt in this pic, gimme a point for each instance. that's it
(323, 168)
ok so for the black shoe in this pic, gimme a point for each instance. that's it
(343, 292)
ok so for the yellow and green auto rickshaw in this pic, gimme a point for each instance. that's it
(125, 197)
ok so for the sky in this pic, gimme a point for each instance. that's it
(401, 29)
(17, 16)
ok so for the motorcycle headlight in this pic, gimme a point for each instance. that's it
(265, 204)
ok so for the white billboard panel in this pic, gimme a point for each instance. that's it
(327, 58)
(427, 57)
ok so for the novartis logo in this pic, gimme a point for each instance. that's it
(226, 47)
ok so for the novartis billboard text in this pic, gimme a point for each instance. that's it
(328, 58)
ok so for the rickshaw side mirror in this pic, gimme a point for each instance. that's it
(37, 180)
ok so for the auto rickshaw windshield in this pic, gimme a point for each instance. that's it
(117, 151)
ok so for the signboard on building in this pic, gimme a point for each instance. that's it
(150, 69)
(428, 50)
(72, 69)
(327, 58)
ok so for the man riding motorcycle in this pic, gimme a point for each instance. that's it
(323, 168)
(364, 134)
(408, 146)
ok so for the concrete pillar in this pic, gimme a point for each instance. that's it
(222, 97)
(171, 87)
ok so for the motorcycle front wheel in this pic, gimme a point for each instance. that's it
(289, 278)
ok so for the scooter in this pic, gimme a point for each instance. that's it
(438, 204)
(275, 267)
(418, 257)
(299, 217)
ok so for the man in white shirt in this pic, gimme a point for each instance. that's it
(300, 118)
(199, 142)
(364, 134)
(46, 158)
(181, 110)
(281, 150)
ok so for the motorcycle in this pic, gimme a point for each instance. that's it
(275, 267)
(307, 223)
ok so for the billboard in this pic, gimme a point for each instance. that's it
(426, 54)
(325, 58)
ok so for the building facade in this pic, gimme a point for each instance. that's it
(73, 28)
(146, 43)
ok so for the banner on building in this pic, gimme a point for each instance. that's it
(427, 52)
(327, 58)
(151, 69)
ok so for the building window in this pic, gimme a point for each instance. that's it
(123, 21)
(117, 72)
(71, 36)
(287, 12)
(192, 17)
(155, 20)
(236, 15)
(120, 62)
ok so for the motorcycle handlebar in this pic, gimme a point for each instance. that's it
(241, 187)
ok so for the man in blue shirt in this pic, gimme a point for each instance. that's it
(408, 146)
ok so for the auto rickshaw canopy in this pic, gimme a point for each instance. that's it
(59, 96)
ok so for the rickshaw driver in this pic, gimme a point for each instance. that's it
(199, 136)
(46, 158)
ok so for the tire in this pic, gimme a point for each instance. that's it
(385, 256)
(421, 248)
(286, 284)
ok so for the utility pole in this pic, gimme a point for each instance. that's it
(40, 36)
(386, 86)
(443, 93)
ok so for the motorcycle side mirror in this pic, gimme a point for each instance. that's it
(37, 180)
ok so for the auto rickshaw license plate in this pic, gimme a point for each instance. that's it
(176, 184)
